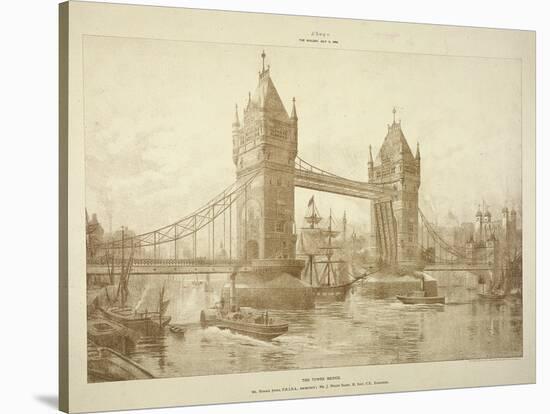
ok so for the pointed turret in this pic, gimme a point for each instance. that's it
(236, 122)
(266, 98)
(370, 163)
(293, 115)
(237, 135)
(395, 146)
(479, 213)
(370, 155)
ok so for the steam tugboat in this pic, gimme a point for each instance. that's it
(427, 295)
(246, 321)
(331, 283)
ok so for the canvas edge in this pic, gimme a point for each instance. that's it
(63, 374)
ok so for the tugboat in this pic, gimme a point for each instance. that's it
(330, 284)
(426, 296)
(246, 321)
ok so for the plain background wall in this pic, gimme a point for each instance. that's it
(28, 194)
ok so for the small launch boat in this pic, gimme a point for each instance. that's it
(178, 329)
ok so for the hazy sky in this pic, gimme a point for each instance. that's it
(158, 120)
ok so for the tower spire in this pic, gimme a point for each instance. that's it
(394, 111)
(370, 154)
(417, 150)
(293, 114)
(263, 61)
(236, 120)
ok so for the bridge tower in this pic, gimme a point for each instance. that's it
(396, 240)
(266, 144)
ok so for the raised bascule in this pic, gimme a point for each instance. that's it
(254, 217)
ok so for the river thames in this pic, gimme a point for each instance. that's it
(370, 327)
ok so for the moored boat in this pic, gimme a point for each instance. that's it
(142, 321)
(108, 333)
(491, 296)
(106, 364)
(150, 322)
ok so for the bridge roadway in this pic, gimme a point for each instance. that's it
(202, 266)
(168, 266)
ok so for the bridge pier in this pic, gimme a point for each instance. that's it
(271, 284)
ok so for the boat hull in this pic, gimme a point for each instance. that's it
(106, 365)
(335, 293)
(489, 296)
(149, 323)
(265, 332)
(257, 330)
(421, 300)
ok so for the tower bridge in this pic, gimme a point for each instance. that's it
(253, 219)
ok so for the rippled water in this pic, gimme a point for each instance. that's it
(365, 329)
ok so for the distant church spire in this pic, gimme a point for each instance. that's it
(394, 111)
(417, 150)
(263, 61)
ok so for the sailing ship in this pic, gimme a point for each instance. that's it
(508, 283)
(150, 322)
(316, 245)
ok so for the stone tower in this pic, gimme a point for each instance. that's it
(265, 145)
(395, 166)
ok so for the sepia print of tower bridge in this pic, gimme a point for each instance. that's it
(254, 219)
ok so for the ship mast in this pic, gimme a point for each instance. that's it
(329, 268)
(313, 218)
